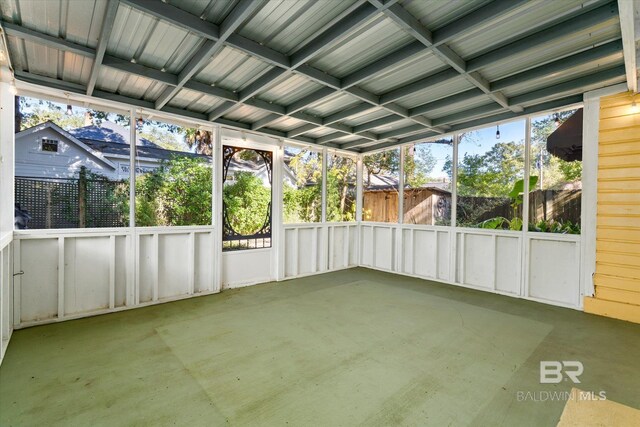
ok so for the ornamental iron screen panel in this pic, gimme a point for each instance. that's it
(231, 238)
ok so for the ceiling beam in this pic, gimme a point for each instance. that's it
(445, 102)
(581, 58)
(393, 60)
(410, 24)
(578, 84)
(294, 63)
(47, 40)
(568, 26)
(333, 35)
(627, 27)
(496, 118)
(148, 106)
(349, 112)
(105, 34)
(177, 17)
(240, 13)
(475, 19)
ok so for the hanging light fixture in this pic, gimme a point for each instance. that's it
(498, 132)
(140, 121)
(556, 121)
(69, 107)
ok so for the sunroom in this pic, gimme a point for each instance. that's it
(335, 212)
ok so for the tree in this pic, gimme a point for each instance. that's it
(177, 193)
(247, 203)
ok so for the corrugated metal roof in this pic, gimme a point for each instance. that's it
(290, 89)
(379, 37)
(450, 87)
(151, 41)
(435, 14)
(211, 10)
(403, 73)
(232, 69)
(165, 37)
(285, 25)
(366, 117)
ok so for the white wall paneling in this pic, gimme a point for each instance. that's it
(76, 273)
(489, 260)
(316, 248)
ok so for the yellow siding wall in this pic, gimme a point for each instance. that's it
(617, 278)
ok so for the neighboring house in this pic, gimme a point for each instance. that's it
(48, 151)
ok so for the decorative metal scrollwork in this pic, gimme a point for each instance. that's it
(228, 232)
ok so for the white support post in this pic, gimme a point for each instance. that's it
(399, 232)
(589, 203)
(132, 259)
(112, 271)
(277, 217)
(217, 209)
(60, 277)
(524, 245)
(325, 158)
(359, 178)
(453, 237)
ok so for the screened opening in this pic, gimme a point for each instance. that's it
(84, 184)
(246, 198)
(302, 185)
(341, 188)
(555, 195)
(173, 174)
(427, 182)
(381, 173)
(490, 177)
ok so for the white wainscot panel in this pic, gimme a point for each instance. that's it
(242, 268)
(443, 255)
(339, 246)
(508, 264)
(384, 248)
(203, 269)
(174, 265)
(366, 245)
(147, 267)
(86, 274)
(554, 270)
(39, 283)
(476, 259)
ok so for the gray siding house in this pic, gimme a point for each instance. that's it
(48, 151)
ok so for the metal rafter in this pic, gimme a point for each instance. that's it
(238, 15)
(148, 105)
(508, 115)
(533, 97)
(410, 24)
(212, 32)
(105, 33)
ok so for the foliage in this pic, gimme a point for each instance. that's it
(552, 226)
(247, 203)
(341, 189)
(177, 193)
(303, 200)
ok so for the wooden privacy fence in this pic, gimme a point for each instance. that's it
(426, 206)
(70, 203)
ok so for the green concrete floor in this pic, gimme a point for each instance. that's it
(355, 347)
